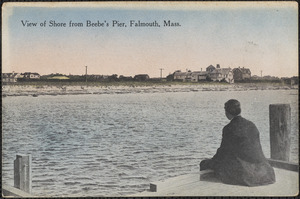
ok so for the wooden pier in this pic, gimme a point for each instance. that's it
(203, 183)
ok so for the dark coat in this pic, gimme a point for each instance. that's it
(240, 159)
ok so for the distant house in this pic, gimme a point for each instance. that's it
(141, 77)
(291, 80)
(183, 76)
(197, 76)
(10, 77)
(210, 68)
(295, 80)
(211, 73)
(222, 74)
(241, 74)
(29, 75)
(178, 75)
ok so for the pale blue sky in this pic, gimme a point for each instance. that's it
(258, 37)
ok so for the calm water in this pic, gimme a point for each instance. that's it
(112, 145)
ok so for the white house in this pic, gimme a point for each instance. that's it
(222, 74)
(197, 76)
(11, 77)
(29, 75)
(183, 76)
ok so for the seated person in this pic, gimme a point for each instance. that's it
(240, 159)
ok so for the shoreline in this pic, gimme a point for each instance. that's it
(33, 90)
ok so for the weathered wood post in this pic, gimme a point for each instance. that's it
(22, 172)
(280, 130)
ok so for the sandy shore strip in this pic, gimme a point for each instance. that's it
(27, 90)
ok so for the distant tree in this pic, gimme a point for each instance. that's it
(124, 78)
(141, 77)
(113, 77)
(170, 77)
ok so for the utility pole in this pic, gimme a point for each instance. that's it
(85, 73)
(161, 69)
(261, 73)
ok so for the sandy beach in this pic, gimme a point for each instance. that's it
(27, 90)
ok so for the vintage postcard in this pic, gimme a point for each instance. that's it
(149, 99)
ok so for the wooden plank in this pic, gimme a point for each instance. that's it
(287, 184)
(173, 182)
(284, 165)
(12, 191)
(280, 130)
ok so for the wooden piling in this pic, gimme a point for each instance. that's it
(22, 173)
(280, 130)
